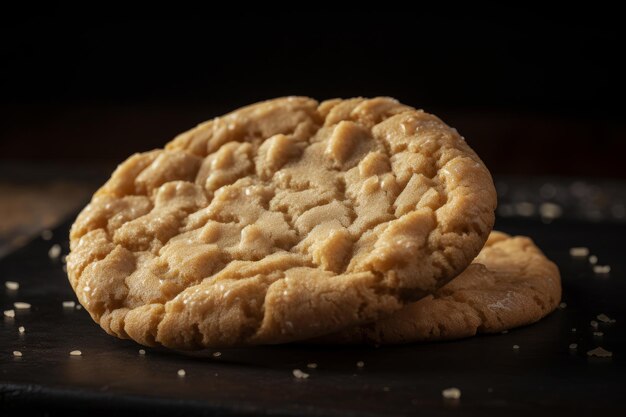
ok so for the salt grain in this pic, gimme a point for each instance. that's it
(594, 324)
(76, 353)
(142, 352)
(79, 307)
(46, 235)
(604, 318)
(17, 353)
(579, 252)
(54, 251)
(598, 334)
(21, 329)
(593, 259)
(9, 313)
(562, 305)
(516, 347)
(69, 304)
(19, 305)
(217, 354)
(311, 365)
(386, 389)
(451, 393)
(573, 329)
(12, 285)
(181, 373)
(600, 353)
(573, 346)
(299, 374)
(601, 269)
(504, 331)
(360, 364)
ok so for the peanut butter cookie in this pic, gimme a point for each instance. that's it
(281, 221)
(509, 284)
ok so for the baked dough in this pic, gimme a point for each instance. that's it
(510, 283)
(281, 221)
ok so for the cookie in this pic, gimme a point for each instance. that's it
(510, 283)
(281, 221)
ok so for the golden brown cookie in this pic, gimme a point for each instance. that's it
(281, 221)
(510, 283)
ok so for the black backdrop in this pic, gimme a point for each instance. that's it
(533, 93)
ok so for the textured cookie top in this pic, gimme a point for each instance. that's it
(280, 221)
(510, 283)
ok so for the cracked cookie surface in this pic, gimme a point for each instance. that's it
(281, 221)
(510, 283)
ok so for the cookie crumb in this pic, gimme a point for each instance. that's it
(181, 373)
(142, 352)
(311, 365)
(20, 305)
(605, 319)
(9, 313)
(451, 393)
(17, 353)
(516, 347)
(598, 334)
(46, 234)
(601, 269)
(76, 353)
(579, 252)
(573, 346)
(299, 374)
(217, 354)
(12, 285)
(360, 364)
(594, 324)
(562, 305)
(69, 304)
(593, 259)
(54, 251)
(600, 352)
(21, 329)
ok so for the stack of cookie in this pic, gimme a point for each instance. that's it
(346, 221)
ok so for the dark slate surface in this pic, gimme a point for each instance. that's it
(542, 378)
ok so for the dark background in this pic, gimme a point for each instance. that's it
(534, 93)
